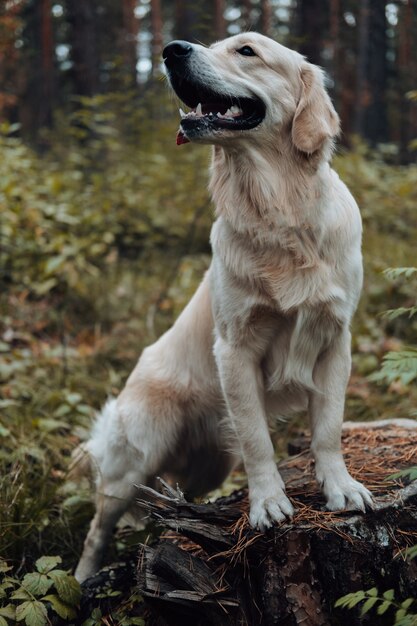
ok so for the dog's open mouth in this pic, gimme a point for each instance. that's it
(213, 112)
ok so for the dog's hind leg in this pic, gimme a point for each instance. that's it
(331, 375)
(117, 470)
(112, 500)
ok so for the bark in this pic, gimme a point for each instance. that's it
(219, 21)
(45, 111)
(83, 19)
(211, 568)
(247, 15)
(371, 78)
(266, 18)
(195, 21)
(156, 30)
(407, 64)
(335, 49)
(36, 73)
(312, 18)
(130, 34)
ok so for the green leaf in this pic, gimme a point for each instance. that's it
(350, 600)
(34, 613)
(368, 605)
(392, 314)
(61, 608)
(8, 611)
(94, 619)
(48, 424)
(407, 603)
(410, 473)
(21, 594)
(46, 563)
(4, 567)
(68, 588)
(389, 594)
(373, 592)
(54, 263)
(3, 622)
(401, 365)
(37, 584)
(384, 607)
(396, 272)
(411, 553)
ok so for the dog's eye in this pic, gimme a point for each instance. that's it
(246, 51)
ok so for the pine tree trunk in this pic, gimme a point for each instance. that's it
(45, 111)
(407, 62)
(311, 27)
(371, 78)
(130, 32)
(156, 30)
(219, 21)
(195, 21)
(83, 18)
(266, 18)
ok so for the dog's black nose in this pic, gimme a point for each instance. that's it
(176, 51)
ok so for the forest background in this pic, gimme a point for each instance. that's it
(104, 221)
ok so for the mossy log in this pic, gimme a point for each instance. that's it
(209, 567)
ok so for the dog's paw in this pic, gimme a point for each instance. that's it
(348, 495)
(264, 512)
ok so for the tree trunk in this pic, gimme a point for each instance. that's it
(194, 21)
(47, 52)
(83, 19)
(219, 21)
(212, 568)
(407, 63)
(247, 15)
(371, 78)
(156, 30)
(335, 50)
(311, 28)
(130, 34)
(266, 18)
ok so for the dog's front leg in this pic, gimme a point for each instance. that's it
(242, 385)
(326, 406)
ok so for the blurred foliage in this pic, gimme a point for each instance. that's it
(401, 365)
(107, 186)
(104, 238)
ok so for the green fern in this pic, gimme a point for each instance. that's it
(382, 603)
(397, 366)
(392, 314)
(401, 365)
(393, 273)
(411, 474)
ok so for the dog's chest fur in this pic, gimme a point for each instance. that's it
(283, 268)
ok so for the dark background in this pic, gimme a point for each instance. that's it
(53, 52)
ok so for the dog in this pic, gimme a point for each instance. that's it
(267, 332)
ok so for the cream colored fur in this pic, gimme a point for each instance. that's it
(267, 332)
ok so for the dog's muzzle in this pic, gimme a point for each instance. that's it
(176, 52)
(211, 110)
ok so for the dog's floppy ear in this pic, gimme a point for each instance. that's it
(315, 119)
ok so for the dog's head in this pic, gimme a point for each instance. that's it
(249, 85)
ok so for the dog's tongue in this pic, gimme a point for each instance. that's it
(181, 138)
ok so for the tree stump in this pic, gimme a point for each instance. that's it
(209, 566)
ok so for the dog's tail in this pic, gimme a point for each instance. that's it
(81, 465)
(85, 456)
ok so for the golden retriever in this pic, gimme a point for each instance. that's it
(267, 332)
